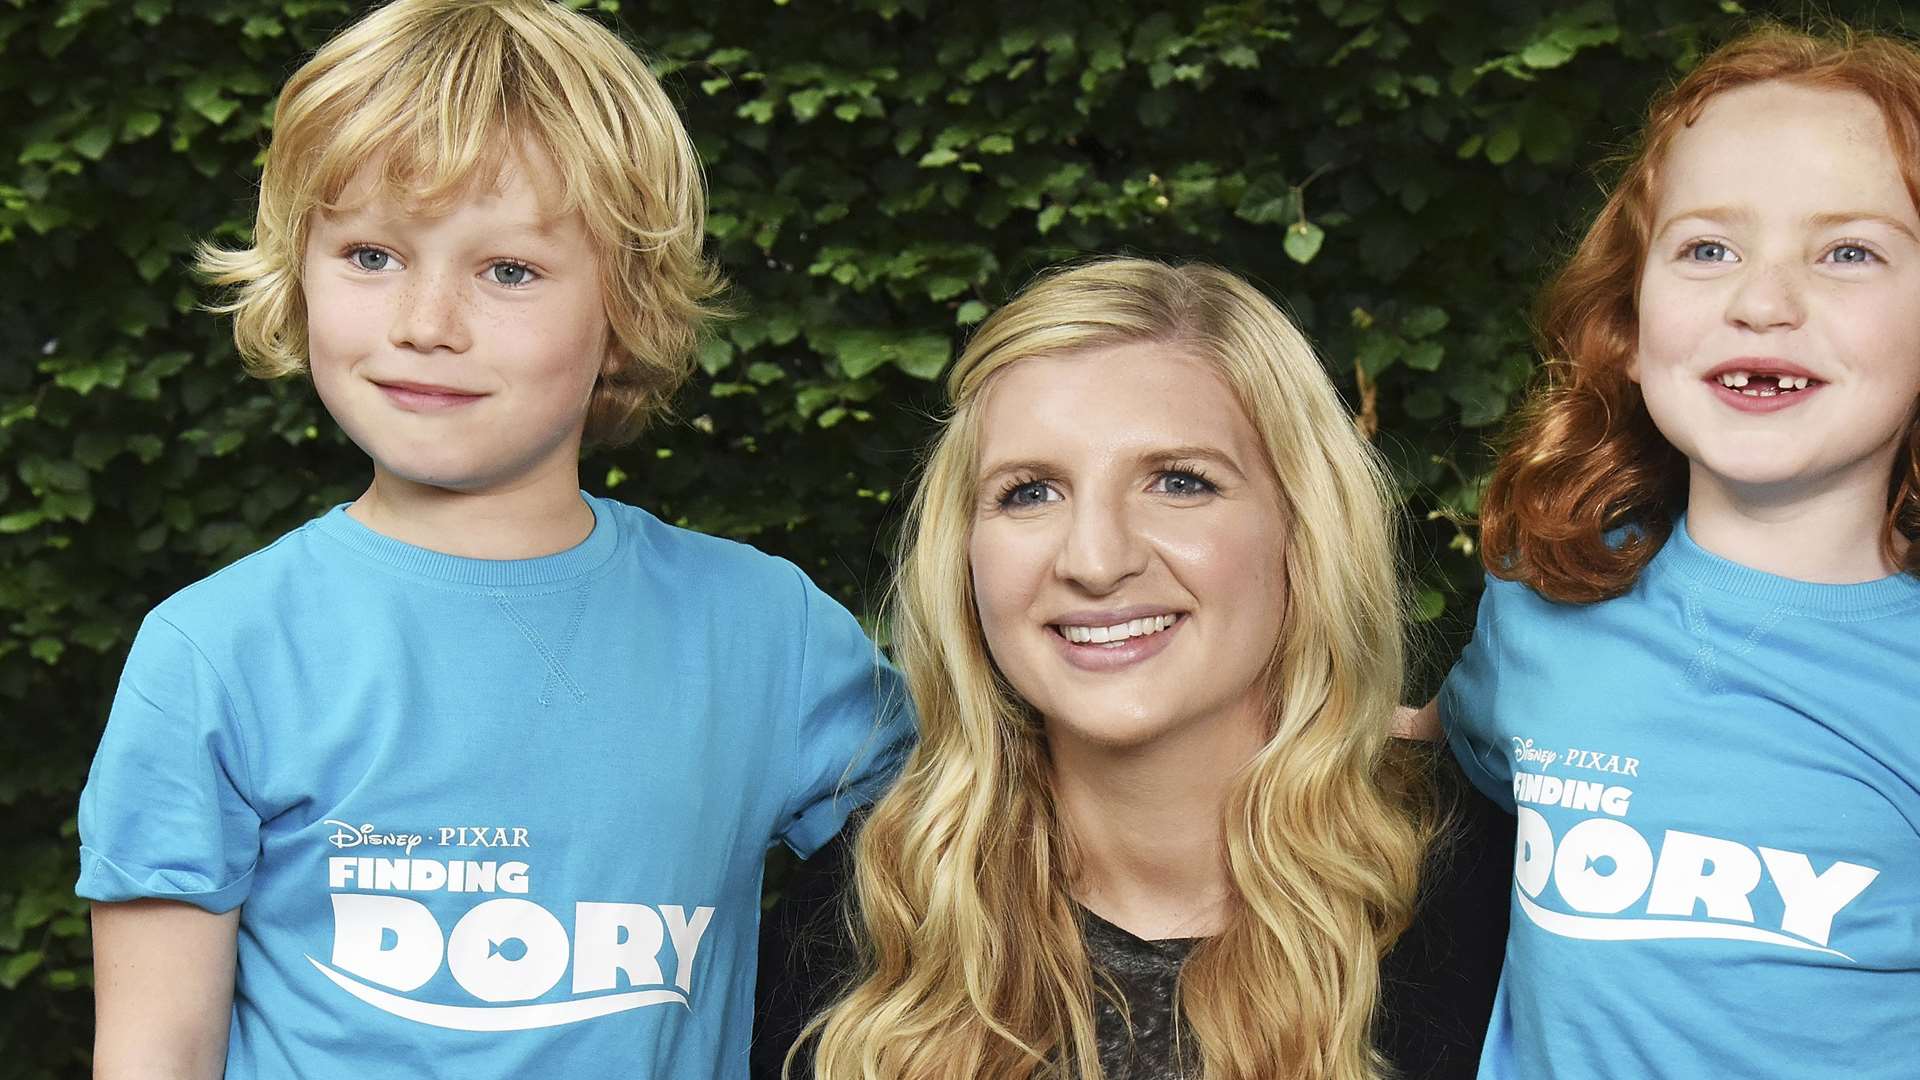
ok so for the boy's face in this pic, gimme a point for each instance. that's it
(459, 350)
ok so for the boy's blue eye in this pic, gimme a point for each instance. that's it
(1182, 482)
(1709, 251)
(370, 258)
(1850, 253)
(510, 274)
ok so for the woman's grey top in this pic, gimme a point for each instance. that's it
(1145, 973)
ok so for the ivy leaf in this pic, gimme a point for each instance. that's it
(139, 125)
(715, 355)
(923, 356)
(92, 143)
(19, 966)
(1547, 52)
(203, 95)
(1503, 144)
(1303, 241)
(1423, 321)
(1425, 356)
(1428, 605)
(1378, 352)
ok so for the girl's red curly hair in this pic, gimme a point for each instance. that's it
(1584, 461)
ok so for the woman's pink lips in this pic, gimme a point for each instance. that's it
(1111, 657)
(415, 398)
(1750, 403)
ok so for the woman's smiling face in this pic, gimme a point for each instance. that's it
(1128, 545)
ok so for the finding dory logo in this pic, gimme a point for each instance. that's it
(1600, 879)
(504, 953)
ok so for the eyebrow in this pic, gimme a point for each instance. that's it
(1210, 454)
(1741, 216)
(364, 214)
(1848, 217)
(1159, 456)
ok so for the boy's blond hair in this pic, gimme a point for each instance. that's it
(444, 94)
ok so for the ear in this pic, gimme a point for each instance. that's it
(1633, 367)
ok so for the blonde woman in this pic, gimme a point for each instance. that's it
(1149, 613)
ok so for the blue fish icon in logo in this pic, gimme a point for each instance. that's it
(513, 949)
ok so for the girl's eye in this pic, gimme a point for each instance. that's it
(1709, 251)
(372, 259)
(1183, 482)
(1851, 253)
(511, 274)
(1030, 493)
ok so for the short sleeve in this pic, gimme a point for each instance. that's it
(854, 727)
(1468, 701)
(164, 813)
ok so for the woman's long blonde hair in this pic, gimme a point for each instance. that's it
(974, 964)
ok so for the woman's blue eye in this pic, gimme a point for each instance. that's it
(1180, 482)
(1709, 251)
(370, 258)
(511, 273)
(1028, 494)
(1850, 253)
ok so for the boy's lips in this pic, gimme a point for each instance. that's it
(426, 397)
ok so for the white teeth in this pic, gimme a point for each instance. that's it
(1118, 632)
(1737, 380)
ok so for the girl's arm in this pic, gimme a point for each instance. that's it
(1422, 723)
(162, 990)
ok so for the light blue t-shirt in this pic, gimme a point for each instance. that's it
(487, 818)
(1717, 781)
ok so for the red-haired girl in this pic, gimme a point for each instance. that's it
(1693, 677)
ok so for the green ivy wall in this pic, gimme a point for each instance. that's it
(1400, 172)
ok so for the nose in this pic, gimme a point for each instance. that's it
(429, 313)
(1102, 547)
(1767, 298)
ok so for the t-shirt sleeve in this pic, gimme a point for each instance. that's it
(854, 727)
(164, 813)
(1468, 701)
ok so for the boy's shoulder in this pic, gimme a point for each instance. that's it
(699, 559)
(251, 582)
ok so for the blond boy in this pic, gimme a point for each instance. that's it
(474, 775)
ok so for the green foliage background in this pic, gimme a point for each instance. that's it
(1400, 172)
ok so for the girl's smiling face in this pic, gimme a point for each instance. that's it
(1779, 303)
(1128, 547)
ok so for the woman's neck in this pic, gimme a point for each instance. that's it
(1146, 824)
(1831, 536)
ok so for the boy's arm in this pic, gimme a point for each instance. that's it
(853, 729)
(162, 990)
